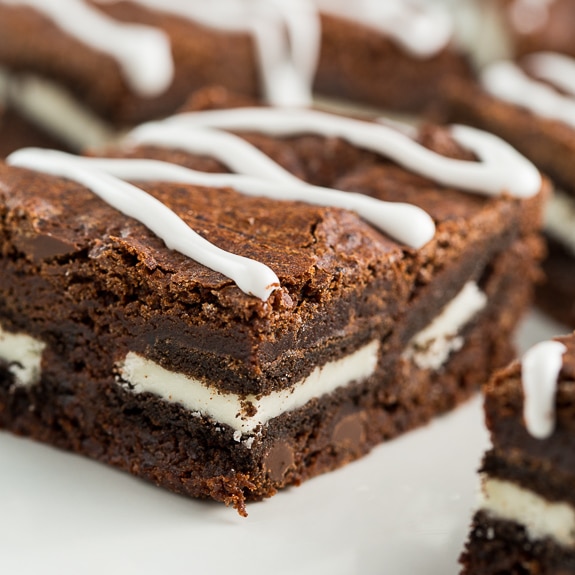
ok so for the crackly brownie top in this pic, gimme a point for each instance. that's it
(318, 253)
(310, 248)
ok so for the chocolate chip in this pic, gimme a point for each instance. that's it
(278, 460)
(43, 246)
(349, 432)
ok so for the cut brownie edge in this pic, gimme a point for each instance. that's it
(169, 446)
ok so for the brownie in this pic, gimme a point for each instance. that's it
(524, 523)
(173, 55)
(360, 63)
(129, 352)
(17, 132)
(539, 26)
(527, 103)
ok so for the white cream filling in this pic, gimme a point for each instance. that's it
(23, 354)
(560, 219)
(143, 375)
(430, 348)
(58, 112)
(541, 518)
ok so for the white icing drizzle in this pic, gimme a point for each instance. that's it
(405, 222)
(240, 156)
(304, 33)
(540, 369)
(142, 52)
(287, 62)
(558, 69)
(500, 169)
(507, 81)
(251, 277)
(421, 29)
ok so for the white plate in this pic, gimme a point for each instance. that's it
(404, 509)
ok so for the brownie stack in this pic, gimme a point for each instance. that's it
(115, 346)
(526, 522)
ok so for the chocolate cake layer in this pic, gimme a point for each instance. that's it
(360, 64)
(555, 295)
(173, 303)
(34, 44)
(504, 547)
(123, 349)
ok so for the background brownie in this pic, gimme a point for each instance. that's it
(525, 520)
(539, 26)
(39, 58)
(359, 63)
(529, 116)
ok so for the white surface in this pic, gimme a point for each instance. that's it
(402, 510)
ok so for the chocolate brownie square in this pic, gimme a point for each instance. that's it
(226, 335)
